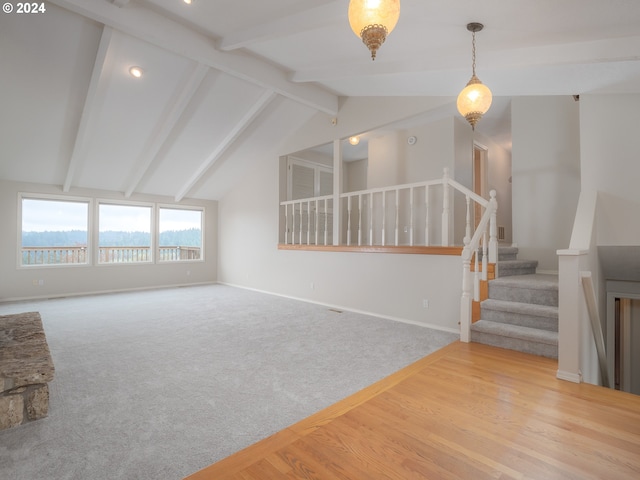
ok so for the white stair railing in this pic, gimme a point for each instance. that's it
(487, 223)
(307, 219)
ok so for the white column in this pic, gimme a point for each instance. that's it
(337, 190)
(445, 208)
(570, 314)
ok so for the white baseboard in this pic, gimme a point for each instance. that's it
(347, 309)
(569, 376)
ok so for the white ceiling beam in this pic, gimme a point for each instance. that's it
(588, 52)
(92, 104)
(323, 13)
(152, 27)
(231, 137)
(176, 107)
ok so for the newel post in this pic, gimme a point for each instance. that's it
(493, 228)
(445, 208)
(465, 300)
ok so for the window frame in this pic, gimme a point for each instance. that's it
(54, 198)
(152, 229)
(160, 206)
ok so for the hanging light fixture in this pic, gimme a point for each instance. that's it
(373, 21)
(475, 99)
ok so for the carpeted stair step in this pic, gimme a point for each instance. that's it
(504, 253)
(543, 317)
(509, 268)
(516, 337)
(539, 289)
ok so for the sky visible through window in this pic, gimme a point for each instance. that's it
(124, 218)
(53, 216)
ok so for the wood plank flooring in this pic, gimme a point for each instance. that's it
(468, 411)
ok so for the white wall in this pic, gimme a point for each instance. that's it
(388, 285)
(17, 283)
(546, 175)
(611, 164)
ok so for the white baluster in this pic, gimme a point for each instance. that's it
(326, 222)
(467, 230)
(359, 220)
(445, 208)
(476, 278)
(300, 234)
(484, 256)
(349, 220)
(286, 224)
(317, 221)
(493, 229)
(293, 223)
(371, 218)
(426, 215)
(411, 213)
(397, 217)
(308, 222)
(384, 217)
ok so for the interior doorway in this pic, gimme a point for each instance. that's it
(480, 178)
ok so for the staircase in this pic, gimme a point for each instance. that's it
(521, 312)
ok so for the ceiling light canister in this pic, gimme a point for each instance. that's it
(373, 21)
(475, 99)
(355, 140)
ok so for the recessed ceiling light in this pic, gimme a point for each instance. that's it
(188, 2)
(354, 140)
(136, 72)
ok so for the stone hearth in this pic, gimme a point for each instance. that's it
(25, 369)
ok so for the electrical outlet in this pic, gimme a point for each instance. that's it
(312, 286)
(425, 303)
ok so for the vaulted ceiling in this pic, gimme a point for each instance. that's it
(227, 81)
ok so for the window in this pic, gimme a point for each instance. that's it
(306, 179)
(124, 233)
(54, 232)
(180, 234)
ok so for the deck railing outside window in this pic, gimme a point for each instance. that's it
(125, 254)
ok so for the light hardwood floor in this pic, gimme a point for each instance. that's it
(468, 411)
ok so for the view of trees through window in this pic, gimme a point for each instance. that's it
(180, 234)
(56, 232)
(124, 233)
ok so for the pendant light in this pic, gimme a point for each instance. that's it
(475, 99)
(373, 21)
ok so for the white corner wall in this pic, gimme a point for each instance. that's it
(18, 283)
(546, 175)
(611, 164)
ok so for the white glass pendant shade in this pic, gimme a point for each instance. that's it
(474, 100)
(373, 20)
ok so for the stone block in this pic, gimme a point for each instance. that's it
(38, 402)
(11, 411)
(25, 369)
